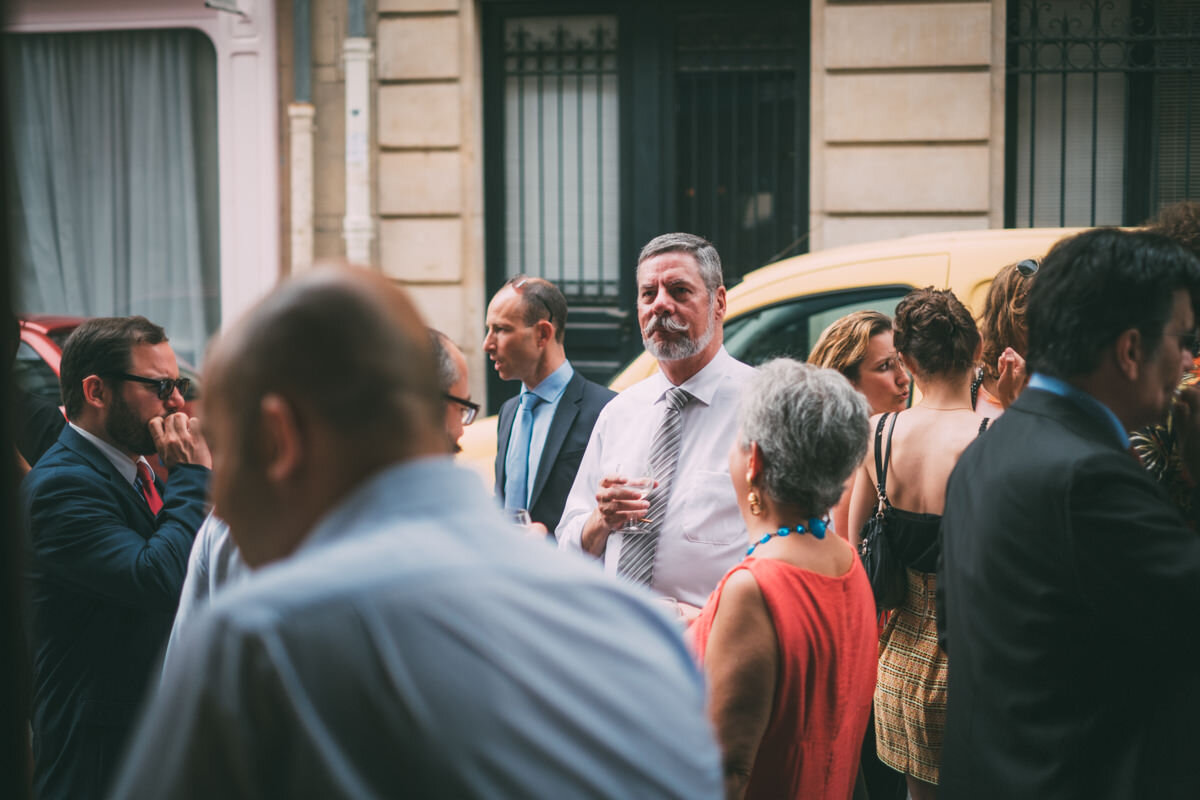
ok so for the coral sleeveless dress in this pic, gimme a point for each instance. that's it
(827, 639)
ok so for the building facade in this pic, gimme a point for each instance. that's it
(456, 143)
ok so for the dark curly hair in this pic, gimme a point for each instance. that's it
(1097, 284)
(935, 332)
(1181, 222)
(1003, 322)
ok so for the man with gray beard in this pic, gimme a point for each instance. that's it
(675, 427)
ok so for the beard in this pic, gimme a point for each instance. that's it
(681, 345)
(126, 430)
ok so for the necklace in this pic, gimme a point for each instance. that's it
(815, 526)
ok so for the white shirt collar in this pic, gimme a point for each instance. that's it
(704, 384)
(124, 464)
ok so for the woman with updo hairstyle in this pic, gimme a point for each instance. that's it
(788, 638)
(859, 345)
(939, 345)
(1005, 338)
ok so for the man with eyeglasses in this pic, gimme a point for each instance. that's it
(452, 378)
(109, 546)
(542, 432)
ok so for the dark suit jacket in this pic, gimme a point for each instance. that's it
(566, 440)
(1067, 600)
(105, 577)
(36, 424)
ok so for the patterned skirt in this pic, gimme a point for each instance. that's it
(910, 696)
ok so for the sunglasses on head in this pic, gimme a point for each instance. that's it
(164, 387)
(1028, 267)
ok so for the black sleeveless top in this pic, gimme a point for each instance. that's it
(912, 536)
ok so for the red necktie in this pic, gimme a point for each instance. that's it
(149, 491)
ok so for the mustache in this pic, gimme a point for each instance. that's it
(665, 323)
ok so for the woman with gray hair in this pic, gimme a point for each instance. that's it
(788, 639)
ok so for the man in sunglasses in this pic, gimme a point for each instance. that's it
(109, 546)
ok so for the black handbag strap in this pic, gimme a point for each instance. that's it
(882, 461)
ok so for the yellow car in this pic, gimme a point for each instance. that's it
(780, 310)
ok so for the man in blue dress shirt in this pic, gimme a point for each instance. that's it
(542, 432)
(398, 638)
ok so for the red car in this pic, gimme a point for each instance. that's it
(35, 369)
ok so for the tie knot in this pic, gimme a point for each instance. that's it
(677, 398)
(143, 472)
(530, 400)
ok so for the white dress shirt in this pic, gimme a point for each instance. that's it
(703, 534)
(123, 464)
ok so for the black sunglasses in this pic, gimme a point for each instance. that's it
(469, 409)
(1028, 267)
(163, 386)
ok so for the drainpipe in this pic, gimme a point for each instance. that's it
(301, 126)
(358, 227)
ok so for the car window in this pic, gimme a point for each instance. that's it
(791, 328)
(33, 375)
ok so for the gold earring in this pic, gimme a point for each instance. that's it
(755, 503)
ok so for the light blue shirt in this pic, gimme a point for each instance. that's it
(1083, 400)
(417, 645)
(550, 391)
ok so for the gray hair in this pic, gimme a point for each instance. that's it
(810, 424)
(447, 370)
(697, 247)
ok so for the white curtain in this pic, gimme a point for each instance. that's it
(113, 177)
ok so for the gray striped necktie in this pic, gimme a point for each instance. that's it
(638, 549)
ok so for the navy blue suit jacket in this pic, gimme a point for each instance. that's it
(105, 580)
(566, 441)
(1067, 596)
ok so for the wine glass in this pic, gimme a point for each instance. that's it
(641, 481)
(518, 517)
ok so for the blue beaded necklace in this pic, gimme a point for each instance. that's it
(815, 526)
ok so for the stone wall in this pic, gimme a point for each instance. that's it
(429, 166)
(907, 119)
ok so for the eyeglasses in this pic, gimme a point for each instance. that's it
(469, 409)
(519, 283)
(163, 386)
(1028, 267)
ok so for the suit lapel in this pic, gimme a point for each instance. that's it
(503, 432)
(564, 418)
(99, 462)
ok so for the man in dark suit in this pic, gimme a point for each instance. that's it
(109, 546)
(1069, 584)
(544, 431)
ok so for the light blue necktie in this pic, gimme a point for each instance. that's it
(516, 461)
